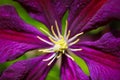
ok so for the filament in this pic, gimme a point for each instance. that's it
(69, 56)
(47, 33)
(51, 40)
(58, 31)
(46, 50)
(68, 35)
(52, 60)
(44, 40)
(75, 49)
(59, 55)
(49, 57)
(54, 32)
(74, 37)
(72, 43)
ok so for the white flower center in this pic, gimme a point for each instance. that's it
(60, 44)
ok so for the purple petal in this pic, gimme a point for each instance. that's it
(102, 57)
(16, 37)
(35, 10)
(32, 69)
(71, 71)
(45, 11)
(96, 13)
(10, 20)
(75, 9)
(104, 15)
(15, 44)
(102, 66)
(83, 14)
(61, 6)
(109, 43)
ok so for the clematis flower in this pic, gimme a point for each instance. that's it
(17, 37)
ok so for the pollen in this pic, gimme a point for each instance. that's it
(60, 43)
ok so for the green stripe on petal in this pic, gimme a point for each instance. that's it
(54, 73)
(81, 64)
(64, 19)
(25, 16)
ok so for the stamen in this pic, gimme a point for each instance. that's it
(63, 51)
(52, 60)
(46, 50)
(69, 56)
(74, 37)
(49, 57)
(68, 35)
(60, 44)
(75, 49)
(58, 31)
(59, 55)
(72, 43)
(54, 32)
(51, 40)
(44, 40)
(66, 26)
(47, 33)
